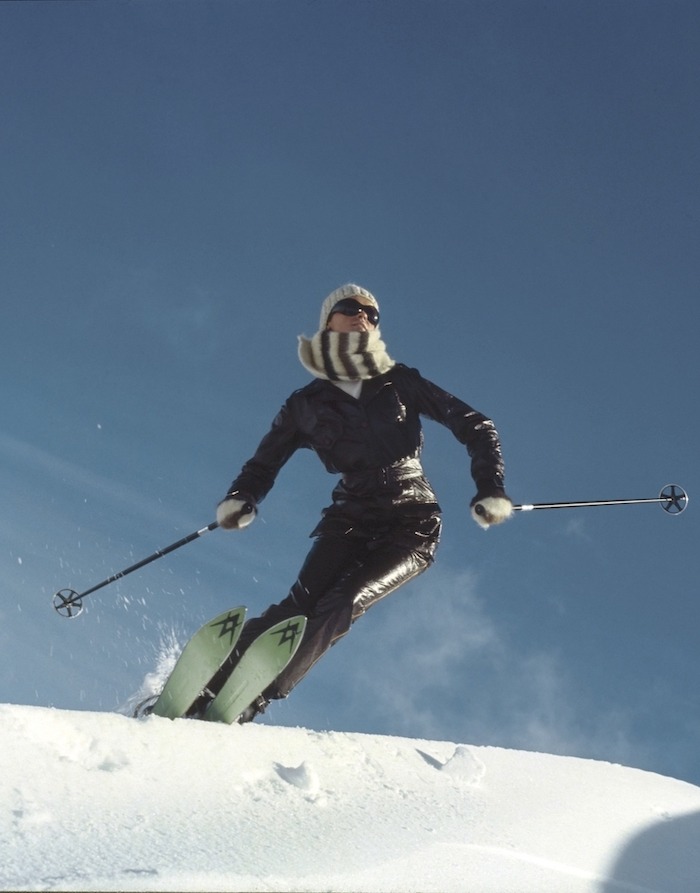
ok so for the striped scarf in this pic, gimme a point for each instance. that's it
(344, 356)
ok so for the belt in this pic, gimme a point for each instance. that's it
(403, 470)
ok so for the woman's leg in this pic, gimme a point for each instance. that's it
(380, 572)
(341, 578)
(328, 559)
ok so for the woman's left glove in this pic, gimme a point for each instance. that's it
(235, 512)
(490, 510)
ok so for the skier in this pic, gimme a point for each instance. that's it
(361, 415)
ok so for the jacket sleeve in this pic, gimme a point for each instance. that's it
(277, 446)
(470, 427)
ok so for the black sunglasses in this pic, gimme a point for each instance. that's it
(351, 307)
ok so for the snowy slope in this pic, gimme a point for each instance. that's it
(95, 801)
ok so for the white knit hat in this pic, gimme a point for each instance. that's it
(350, 290)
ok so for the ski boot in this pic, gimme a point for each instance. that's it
(256, 708)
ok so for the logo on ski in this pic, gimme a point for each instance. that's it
(288, 635)
(229, 626)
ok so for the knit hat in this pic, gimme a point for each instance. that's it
(350, 290)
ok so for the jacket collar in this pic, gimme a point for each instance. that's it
(330, 393)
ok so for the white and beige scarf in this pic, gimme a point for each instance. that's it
(345, 356)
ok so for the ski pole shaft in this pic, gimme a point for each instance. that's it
(576, 505)
(69, 603)
(673, 500)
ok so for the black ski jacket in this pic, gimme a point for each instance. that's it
(374, 442)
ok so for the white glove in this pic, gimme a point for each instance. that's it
(492, 510)
(233, 513)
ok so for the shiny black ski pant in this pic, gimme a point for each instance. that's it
(341, 578)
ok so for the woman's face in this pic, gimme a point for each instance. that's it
(339, 322)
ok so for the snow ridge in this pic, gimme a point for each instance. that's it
(99, 801)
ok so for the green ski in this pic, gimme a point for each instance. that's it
(200, 659)
(261, 663)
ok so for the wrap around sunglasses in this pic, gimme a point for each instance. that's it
(351, 307)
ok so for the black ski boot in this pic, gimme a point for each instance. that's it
(254, 709)
(199, 707)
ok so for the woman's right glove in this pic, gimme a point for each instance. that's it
(235, 512)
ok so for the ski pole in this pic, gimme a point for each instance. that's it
(69, 603)
(673, 500)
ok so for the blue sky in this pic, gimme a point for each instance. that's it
(182, 183)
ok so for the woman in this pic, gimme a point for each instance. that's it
(361, 415)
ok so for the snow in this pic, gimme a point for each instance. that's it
(100, 801)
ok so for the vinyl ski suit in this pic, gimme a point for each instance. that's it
(383, 525)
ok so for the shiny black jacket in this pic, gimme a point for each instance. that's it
(374, 441)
